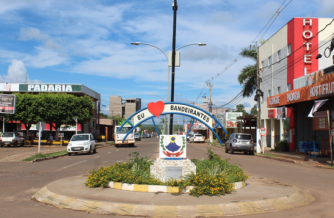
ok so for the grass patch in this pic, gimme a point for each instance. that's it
(38, 156)
(110, 143)
(213, 175)
(269, 155)
(330, 166)
(215, 142)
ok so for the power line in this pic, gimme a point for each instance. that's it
(239, 57)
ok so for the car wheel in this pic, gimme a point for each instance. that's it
(246, 152)
(226, 149)
(94, 150)
(90, 150)
(68, 154)
(251, 152)
(231, 150)
(1, 145)
(17, 144)
(22, 144)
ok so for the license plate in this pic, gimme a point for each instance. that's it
(6, 143)
(243, 142)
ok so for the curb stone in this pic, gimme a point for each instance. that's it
(297, 199)
(278, 158)
(161, 188)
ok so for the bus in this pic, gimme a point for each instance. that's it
(119, 135)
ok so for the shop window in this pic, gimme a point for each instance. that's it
(289, 87)
(279, 90)
(289, 49)
(279, 56)
(269, 93)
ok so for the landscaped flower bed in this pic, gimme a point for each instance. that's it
(213, 175)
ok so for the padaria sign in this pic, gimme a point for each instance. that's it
(160, 108)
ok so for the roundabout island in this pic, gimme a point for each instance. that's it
(98, 194)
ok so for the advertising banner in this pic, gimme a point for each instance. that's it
(320, 121)
(271, 113)
(172, 146)
(281, 113)
(7, 103)
(231, 119)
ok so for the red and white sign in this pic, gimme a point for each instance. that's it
(263, 131)
(271, 113)
(47, 127)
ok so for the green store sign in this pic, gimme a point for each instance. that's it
(49, 88)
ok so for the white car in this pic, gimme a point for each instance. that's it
(11, 138)
(81, 143)
(197, 138)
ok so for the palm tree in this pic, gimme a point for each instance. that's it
(247, 76)
(241, 108)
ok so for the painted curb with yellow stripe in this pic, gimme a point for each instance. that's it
(160, 188)
(296, 199)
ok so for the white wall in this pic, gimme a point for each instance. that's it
(322, 37)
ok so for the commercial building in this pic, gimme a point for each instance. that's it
(288, 66)
(74, 89)
(123, 107)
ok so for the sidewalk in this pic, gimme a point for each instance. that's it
(17, 154)
(298, 158)
(259, 196)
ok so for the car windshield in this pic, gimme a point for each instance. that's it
(8, 134)
(136, 133)
(80, 138)
(124, 130)
(199, 135)
(243, 136)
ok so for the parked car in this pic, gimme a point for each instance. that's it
(240, 142)
(81, 143)
(137, 136)
(11, 138)
(197, 138)
(189, 136)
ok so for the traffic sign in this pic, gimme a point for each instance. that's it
(263, 131)
(332, 132)
(42, 126)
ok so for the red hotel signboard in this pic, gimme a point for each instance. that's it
(271, 113)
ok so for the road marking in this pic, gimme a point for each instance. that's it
(108, 152)
(97, 157)
(71, 165)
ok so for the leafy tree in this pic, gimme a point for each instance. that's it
(254, 110)
(105, 115)
(60, 108)
(27, 110)
(119, 119)
(241, 108)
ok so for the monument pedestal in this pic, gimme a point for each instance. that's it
(164, 170)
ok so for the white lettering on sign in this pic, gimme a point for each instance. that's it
(307, 34)
(324, 89)
(308, 59)
(50, 88)
(307, 21)
(204, 117)
(307, 45)
(294, 96)
(274, 100)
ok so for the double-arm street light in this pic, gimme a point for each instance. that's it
(168, 84)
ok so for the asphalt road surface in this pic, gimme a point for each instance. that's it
(18, 181)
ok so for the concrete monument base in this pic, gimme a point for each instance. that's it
(164, 170)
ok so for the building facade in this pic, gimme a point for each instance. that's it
(287, 60)
(123, 107)
(74, 89)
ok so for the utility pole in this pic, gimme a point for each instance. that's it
(173, 65)
(210, 108)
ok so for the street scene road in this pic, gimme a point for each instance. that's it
(18, 181)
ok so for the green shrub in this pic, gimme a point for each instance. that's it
(282, 145)
(213, 176)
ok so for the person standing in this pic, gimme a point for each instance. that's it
(51, 138)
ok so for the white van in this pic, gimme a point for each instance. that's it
(119, 135)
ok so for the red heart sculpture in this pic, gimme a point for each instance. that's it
(156, 108)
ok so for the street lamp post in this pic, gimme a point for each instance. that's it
(168, 84)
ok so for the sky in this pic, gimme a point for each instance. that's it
(89, 42)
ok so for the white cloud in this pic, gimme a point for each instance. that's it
(327, 7)
(17, 72)
(31, 33)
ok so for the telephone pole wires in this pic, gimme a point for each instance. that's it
(210, 106)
